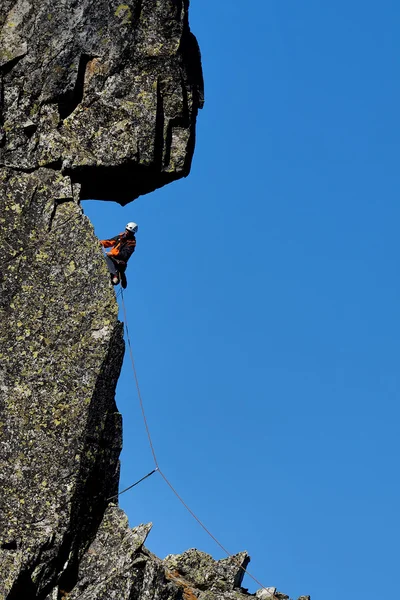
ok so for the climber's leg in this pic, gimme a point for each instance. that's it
(113, 270)
(124, 282)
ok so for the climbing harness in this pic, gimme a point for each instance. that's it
(157, 467)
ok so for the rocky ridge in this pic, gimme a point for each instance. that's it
(97, 100)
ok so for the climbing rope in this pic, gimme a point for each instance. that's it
(137, 381)
(157, 468)
(133, 485)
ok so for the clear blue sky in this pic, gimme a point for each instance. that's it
(264, 303)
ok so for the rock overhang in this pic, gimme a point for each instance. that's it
(106, 93)
(97, 99)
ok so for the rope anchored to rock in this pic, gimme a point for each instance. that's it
(133, 485)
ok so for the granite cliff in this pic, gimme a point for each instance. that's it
(97, 100)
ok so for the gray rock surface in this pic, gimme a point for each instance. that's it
(97, 100)
(104, 92)
(61, 350)
(265, 593)
(204, 572)
(117, 565)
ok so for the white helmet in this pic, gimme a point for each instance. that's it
(132, 227)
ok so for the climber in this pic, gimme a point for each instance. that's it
(122, 247)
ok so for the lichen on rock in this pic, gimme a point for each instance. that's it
(60, 428)
(107, 93)
(98, 99)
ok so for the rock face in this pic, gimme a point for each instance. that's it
(105, 93)
(97, 100)
(61, 350)
(118, 566)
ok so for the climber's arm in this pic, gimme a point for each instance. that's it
(109, 243)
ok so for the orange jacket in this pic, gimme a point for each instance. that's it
(123, 246)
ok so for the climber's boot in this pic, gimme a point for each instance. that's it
(124, 282)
